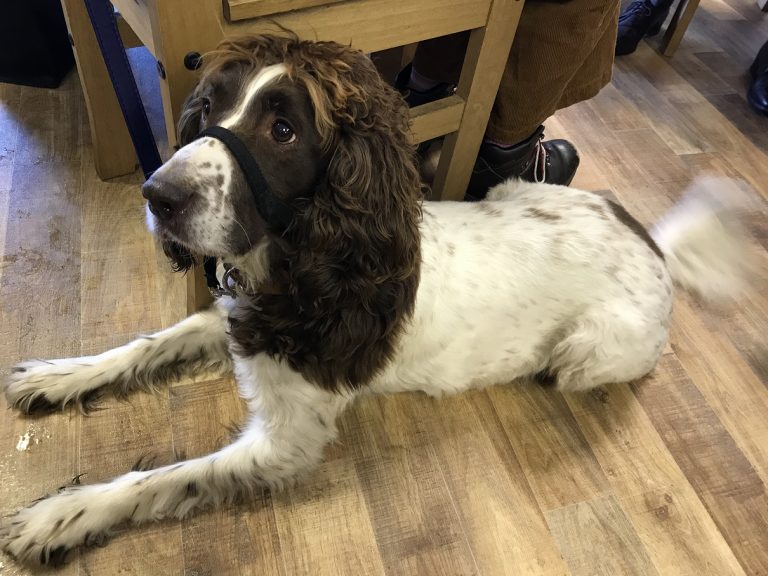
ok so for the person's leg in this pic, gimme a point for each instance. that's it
(562, 54)
(434, 72)
(639, 19)
(440, 59)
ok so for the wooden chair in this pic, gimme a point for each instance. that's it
(175, 30)
(677, 26)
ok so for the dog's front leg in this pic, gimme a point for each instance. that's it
(285, 436)
(198, 342)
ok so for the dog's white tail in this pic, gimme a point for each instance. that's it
(706, 246)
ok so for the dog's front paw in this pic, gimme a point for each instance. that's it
(46, 531)
(43, 386)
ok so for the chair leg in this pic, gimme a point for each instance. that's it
(200, 30)
(113, 150)
(198, 295)
(484, 63)
(677, 26)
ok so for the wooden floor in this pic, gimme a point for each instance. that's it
(667, 476)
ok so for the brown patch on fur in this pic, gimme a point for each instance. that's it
(488, 209)
(348, 266)
(629, 221)
(542, 214)
(597, 209)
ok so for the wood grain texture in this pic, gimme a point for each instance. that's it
(242, 9)
(39, 276)
(245, 534)
(412, 511)
(614, 546)
(552, 450)
(664, 477)
(436, 118)
(721, 474)
(669, 518)
(488, 486)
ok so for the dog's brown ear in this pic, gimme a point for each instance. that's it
(371, 197)
(351, 258)
(358, 238)
(189, 119)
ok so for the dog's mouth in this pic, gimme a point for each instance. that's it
(181, 257)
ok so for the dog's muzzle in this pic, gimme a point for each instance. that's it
(276, 213)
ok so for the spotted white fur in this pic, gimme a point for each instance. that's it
(208, 168)
(538, 277)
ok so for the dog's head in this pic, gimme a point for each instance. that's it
(331, 141)
(323, 128)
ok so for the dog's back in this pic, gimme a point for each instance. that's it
(542, 279)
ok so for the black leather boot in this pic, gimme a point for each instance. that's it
(642, 18)
(757, 96)
(533, 160)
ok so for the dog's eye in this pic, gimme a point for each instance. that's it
(206, 106)
(282, 132)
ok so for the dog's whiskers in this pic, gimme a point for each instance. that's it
(250, 244)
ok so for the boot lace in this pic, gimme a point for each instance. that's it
(540, 162)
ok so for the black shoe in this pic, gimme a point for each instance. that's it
(757, 95)
(533, 160)
(418, 97)
(638, 20)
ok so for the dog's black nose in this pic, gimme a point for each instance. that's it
(165, 199)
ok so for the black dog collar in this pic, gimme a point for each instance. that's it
(275, 212)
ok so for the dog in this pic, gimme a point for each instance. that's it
(342, 281)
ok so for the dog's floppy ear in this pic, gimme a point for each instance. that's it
(351, 257)
(189, 119)
(368, 207)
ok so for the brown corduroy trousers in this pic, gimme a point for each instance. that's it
(562, 54)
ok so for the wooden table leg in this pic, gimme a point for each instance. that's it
(113, 151)
(198, 295)
(677, 26)
(484, 63)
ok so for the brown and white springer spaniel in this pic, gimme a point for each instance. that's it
(363, 288)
